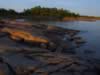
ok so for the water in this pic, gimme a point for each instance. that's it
(90, 31)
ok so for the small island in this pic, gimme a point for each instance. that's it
(43, 13)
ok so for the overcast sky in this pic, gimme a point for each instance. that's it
(84, 7)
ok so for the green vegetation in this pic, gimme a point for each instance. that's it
(39, 12)
(42, 11)
(8, 13)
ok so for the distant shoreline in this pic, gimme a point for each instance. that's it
(82, 18)
(47, 18)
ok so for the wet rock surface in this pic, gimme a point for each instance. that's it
(42, 50)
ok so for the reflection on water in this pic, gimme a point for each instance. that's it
(90, 31)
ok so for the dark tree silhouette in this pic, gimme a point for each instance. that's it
(38, 11)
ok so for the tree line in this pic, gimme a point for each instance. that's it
(38, 11)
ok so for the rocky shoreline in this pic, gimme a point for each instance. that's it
(28, 49)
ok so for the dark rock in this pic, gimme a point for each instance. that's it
(79, 41)
(2, 22)
(3, 34)
(44, 46)
(40, 26)
(4, 70)
(89, 51)
(75, 38)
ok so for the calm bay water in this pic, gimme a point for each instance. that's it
(90, 32)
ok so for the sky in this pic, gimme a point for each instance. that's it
(83, 7)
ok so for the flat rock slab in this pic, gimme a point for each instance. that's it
(48, 63)
(19, 59)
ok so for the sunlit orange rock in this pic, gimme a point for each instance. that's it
(25, 36)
